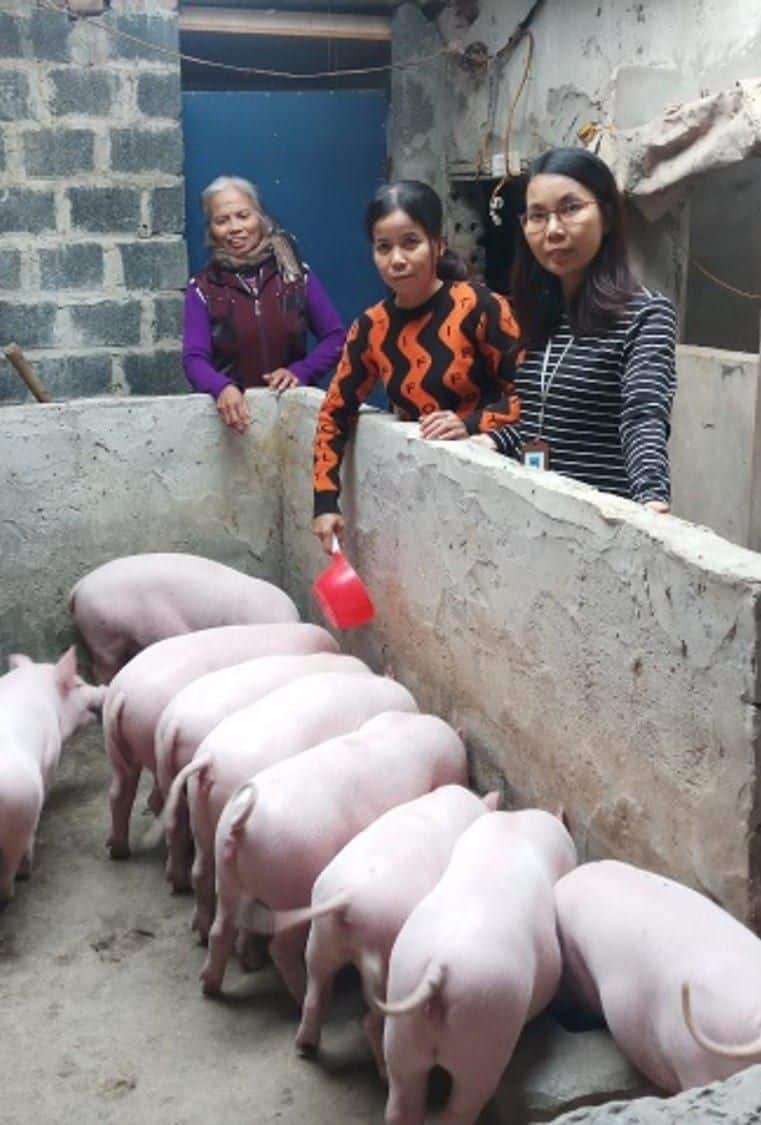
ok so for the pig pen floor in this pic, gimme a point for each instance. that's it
(102, 1020)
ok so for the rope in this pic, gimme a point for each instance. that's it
(724, 284)
(169, 52)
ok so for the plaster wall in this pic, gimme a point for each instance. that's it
(592, 652)
(86, 481)
(715, 446)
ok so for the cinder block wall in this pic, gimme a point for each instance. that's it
(92, 255)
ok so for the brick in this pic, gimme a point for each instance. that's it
(76, 376)
(29, 326)
(168, 210)
(10, 269)
(90, 92)
(26, 211)
(161, 32)
(50, 34)
(158, 95)
(109, 323)
(10, 36)
(55, 153)
(78, 265)
(167, 323)
(154, 265)
(14, 95)
(158, 373)
(137, 150)
(105, 208)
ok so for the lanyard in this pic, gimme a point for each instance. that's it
(546, 377)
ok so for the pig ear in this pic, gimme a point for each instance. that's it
(66, 670)
(18, 660)
(491, 800)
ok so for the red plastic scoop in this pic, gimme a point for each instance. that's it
(341, 594)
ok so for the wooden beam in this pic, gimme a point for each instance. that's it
(297, 25)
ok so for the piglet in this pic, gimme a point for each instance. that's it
(137, 696)
(280, 830)
(476, 960)
(129, 603)
(677, 979)
(40, 706)
(286, 722)
(365, 895)
(202, 705)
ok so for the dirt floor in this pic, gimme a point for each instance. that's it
(102, 1019)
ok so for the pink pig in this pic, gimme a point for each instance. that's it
(279, 831)
(127, 604)
(365, 895)
(136, 697)
(198, 708)
(476, 960)
(677, 979)
(40, 706)
(286, 722)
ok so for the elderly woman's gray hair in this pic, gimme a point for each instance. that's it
(222, 183)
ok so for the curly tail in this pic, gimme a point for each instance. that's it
(431, 983)
(270, 922)
(177, 790)
(165, 747)
(116, 749)
(727, 1050)
(247, 794)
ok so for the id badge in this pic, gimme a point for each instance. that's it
(536, 454)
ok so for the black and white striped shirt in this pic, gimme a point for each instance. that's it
(606, 415)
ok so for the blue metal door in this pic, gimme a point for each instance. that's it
(317, 158)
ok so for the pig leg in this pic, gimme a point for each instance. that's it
(202, 875)
(373, 1027)
(179, 848)
(25, 864)
(287, 953)
(407, 1100)
(124, 782)
(221, 946)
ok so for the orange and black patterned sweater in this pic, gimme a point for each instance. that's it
(451, 353)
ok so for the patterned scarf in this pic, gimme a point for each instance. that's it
(278, 245)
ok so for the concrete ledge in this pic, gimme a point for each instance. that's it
(595, 654)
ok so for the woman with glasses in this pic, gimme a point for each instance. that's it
(597, 378)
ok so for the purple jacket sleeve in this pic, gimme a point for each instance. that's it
(196, 346)
(326, 325)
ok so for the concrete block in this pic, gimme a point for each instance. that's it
(154, 265)
(105, 208)
(156, 373)
(26, 211)
(14, 96)
(28, 325)
(50, 36)
(109, 323)
(91, 92)
(735, 1101)
(158, 95)
(78, 265)
(10, 36)
(85, 376)
(10, 269)
(137, 150)
(168, 210)
(59, 152)
(149, 30)
(167, 318)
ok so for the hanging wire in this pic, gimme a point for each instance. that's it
(724, 284)
(169, 52)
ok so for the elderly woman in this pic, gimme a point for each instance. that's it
(247, 312)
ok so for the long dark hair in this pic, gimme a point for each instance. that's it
(537, 295)
(422, 204)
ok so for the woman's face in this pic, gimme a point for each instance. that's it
(234, 223)
(406, 258)
(563, 226)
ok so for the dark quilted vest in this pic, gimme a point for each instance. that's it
(258, 322)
